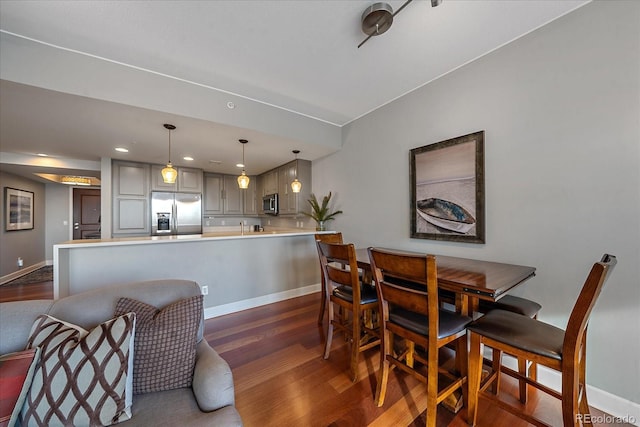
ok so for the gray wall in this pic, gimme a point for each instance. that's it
(28, 244)
(58, 202)
(560, 108)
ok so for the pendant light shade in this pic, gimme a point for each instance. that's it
(243, 179)
(169, 174)
(296, 185)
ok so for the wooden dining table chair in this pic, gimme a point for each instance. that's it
(547, 345)
(326, 238)
(355, 299)
(407, 286)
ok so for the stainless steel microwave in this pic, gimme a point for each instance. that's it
(270, 204)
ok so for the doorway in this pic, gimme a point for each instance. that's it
(86, 213)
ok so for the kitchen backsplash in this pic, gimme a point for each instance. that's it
(226, 223)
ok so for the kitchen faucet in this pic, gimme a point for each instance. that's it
(241, 228)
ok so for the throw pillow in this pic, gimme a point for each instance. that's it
(81, 378)
(165, 343)
(16, 374)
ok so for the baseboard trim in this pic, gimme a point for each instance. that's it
(234, 307)
(21, 272)
(621, 410)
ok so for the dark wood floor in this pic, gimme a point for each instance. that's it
(281, 379)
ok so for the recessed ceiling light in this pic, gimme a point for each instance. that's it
(42, 155)
(122, 150)
(188, 158)
(240, 165)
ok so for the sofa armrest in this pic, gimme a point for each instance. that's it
(212, 379)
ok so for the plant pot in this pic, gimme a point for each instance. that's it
(320, 226)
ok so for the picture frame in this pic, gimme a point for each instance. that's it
(18, 209)
(447, 190)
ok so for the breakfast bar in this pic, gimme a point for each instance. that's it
(235, 270)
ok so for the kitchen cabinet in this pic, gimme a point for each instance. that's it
(222, 196)
(269, 182)
(231, 196)
(189, 180)
(130, 186)
(250, 197)
(294, 203)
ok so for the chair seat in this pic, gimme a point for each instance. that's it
(513, 304)
(449, 323)
(521, 332)
(367, 293)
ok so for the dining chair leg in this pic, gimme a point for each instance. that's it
(323, 306)
(570, 405)
(327, 342)
(386, 346)
(355, 345)
(473, 379)
(432, 387)
(496, 365)
(522, 385)
(462, 363)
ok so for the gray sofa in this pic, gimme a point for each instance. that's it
(210, 401)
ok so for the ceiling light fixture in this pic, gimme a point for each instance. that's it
(169, 174)
(377, 18)
(121, 150)
(243, 180)
(75, 180)
(296, 185)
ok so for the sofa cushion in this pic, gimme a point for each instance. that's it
(165, 343)
(81, 377)
(16, 375)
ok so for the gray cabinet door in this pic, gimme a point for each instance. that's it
(130, 198)
(189, 180)
(232, 198)
(250, 197)
(157, 182)
(213, 190)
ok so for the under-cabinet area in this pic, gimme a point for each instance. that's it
(223, 203)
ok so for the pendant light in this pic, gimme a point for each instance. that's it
(296, 185)
(243, 180)
(169, 174)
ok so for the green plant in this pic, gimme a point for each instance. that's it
(320, 212)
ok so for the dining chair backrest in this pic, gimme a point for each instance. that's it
(579, 319)
(406, 280)
(327, 238)
(330, 237)
(334, 260)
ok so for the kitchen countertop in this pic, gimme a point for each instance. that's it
(211, 236)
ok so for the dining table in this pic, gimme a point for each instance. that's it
(470, 280)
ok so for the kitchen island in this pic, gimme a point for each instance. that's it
(235, 270)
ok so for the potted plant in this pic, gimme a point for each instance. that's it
(320, 212)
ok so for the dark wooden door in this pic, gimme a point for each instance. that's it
(86, 213)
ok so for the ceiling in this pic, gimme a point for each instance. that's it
(299, 56)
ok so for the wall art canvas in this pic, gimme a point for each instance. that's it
(18, 209)
(447, 190)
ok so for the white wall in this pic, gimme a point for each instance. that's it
(560, 108)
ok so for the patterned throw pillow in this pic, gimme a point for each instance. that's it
(16, 375)
(81, 377)
(165, 343)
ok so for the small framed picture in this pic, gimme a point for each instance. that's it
(447, 190)
(18, 209)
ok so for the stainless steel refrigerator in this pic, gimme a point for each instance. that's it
(175, 213)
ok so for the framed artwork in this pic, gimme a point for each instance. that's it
(18, 209)
(447, 190)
